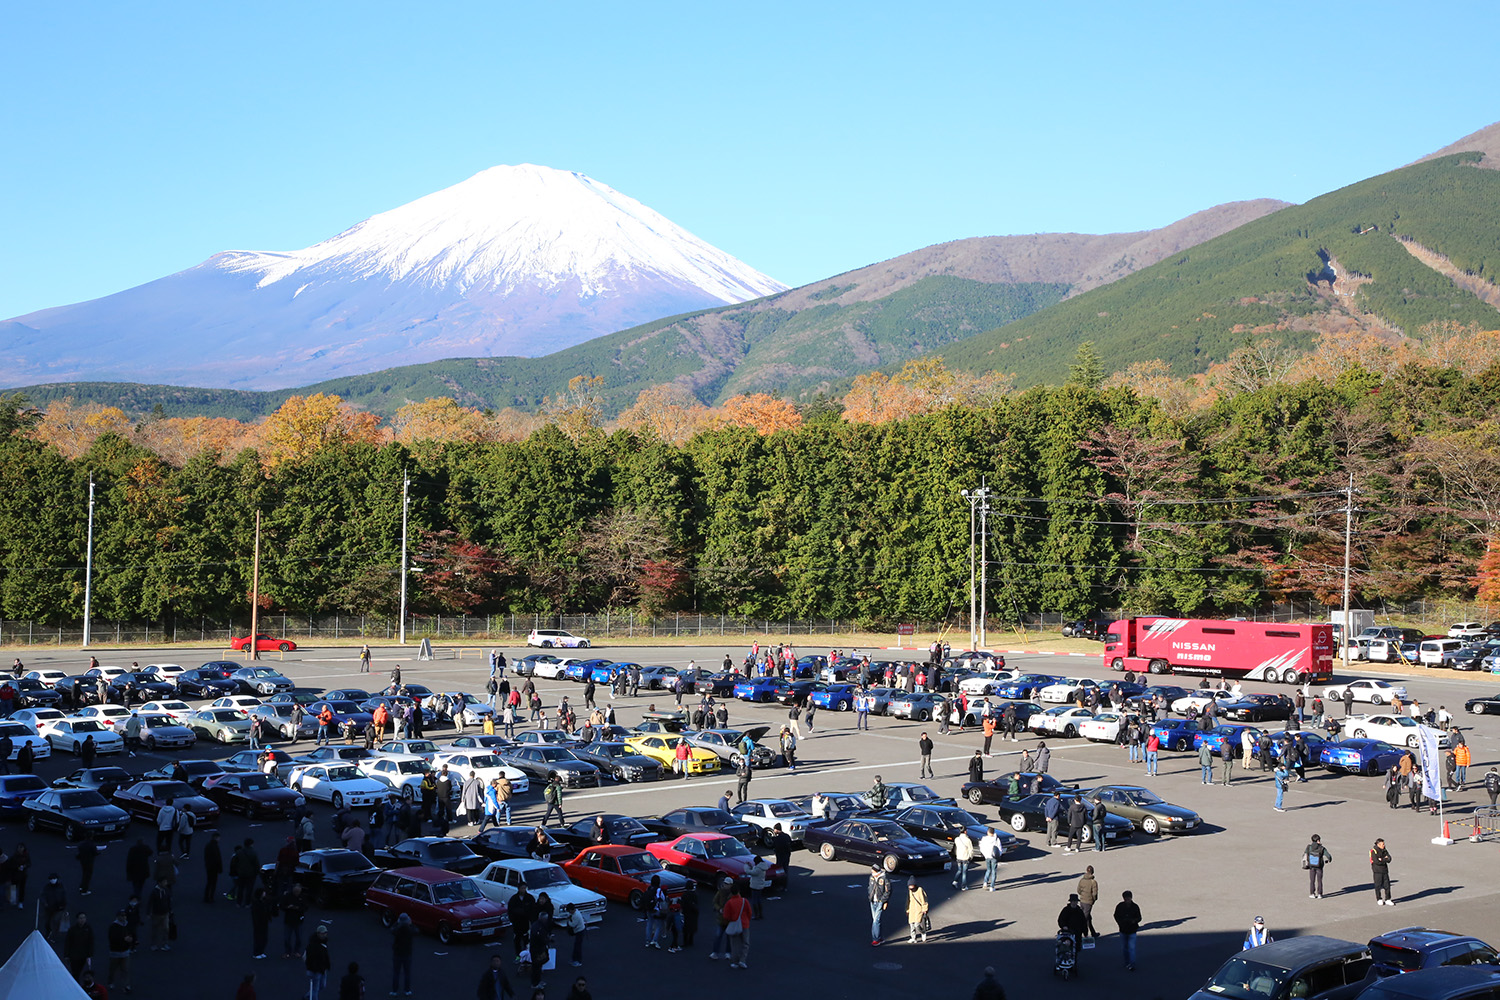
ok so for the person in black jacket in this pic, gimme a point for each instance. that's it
(1078, 818)
(213, 864)
(1380, 868)
(318, 963)
(976, 767)
(352, 986)
(1073, 921)
(1128, 920)
(88, 851)
(493, 983)
(989, 988)
(261, 910)
(521, 906)
(121, 941)
(924, 748)
(78, 945)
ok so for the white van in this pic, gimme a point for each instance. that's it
(1430, 653)
(1466, 630)
(1383, 650)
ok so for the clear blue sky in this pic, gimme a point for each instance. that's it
(806, 139)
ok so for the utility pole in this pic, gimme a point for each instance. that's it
(973, 625)
(255, 594)
(88, 573)
(984, 510)
(1345, 633)
(405, 503)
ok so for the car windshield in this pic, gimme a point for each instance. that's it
(542, 878)
(630, 864)
(714, 817)
(346, 773)
(343, 707)
(456, 891)
(957, 818)
(1242, 979)
(159, 721)
(86, 726)
(14, 729)
(200, 767)
(554, 753)
(784, 809)
(24, 783)
(172, 790)
(81, 799)
(726, 847)
(485, 760)
(609, 750)
(255, 782)
(345, 861)
(885, 831)
(448, 850)
(226, 715)
(413, 766)
(921, 793)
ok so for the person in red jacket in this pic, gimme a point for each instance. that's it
(736, 912)
(682, 754)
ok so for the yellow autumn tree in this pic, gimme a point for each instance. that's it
(761, 412)
(439, 418)
(72, 428)
(668, 412)
(576, 412)
(177, 439)
(305, 425)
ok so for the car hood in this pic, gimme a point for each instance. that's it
(273, 794)
(107, 813)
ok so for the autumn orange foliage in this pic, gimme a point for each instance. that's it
(760, 412)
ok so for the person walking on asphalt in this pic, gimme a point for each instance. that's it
(963, 853)
(976, 767)
(1073, 922)
(1206, 763)
(924, 747)
(878, 893)
(1052, 813)
(1258, 934)
(1043, 758)
(1128, 920)
(1280, 776)
(1096, 823)
(1088, 895)
(990, 848)
(552, 795)
(989, 988)
(917, 920)
(1380, 869)
(1315, 858)
(1078, 818)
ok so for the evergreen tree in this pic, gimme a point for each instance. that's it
(1087, 370)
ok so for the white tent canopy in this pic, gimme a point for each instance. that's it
(35, 971)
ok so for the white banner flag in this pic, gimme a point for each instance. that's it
(1432, 761)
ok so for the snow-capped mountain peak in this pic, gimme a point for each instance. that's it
(515, 260)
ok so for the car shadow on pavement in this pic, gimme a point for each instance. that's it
(1040, 878)
(1317, 805)
(954, 932)
(1439, 890)
(1156, 925)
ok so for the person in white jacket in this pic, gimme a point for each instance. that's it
(990, 849)
(963, 853)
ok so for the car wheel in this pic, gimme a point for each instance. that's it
(222, 736)
(151, 743)
(286, 734)
(637, 899)
(407, 794)
(31, 822)
(584, 644)
(1411, 741)
(1118, 663)
(1018, 822)
(1150, 825)
(1375, 699)
(765, 837)
(1088, 835)
(387, 918)
(976, 796)
(924, 716)
(1289, 676)
(337, 801)
(890, 862)
(546, 644)
(1159, 666)
(71, 833)
(285, 647)
(826, 851)
(77, 748)
(445, 932)
(1359, 734)
(1180, 743)
(1477, 708)
(1071, 731)
(844, 706)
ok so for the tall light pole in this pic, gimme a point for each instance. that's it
(255, 594)
(88, 573)
(1345, 633)
(401, 625)
(978, 504)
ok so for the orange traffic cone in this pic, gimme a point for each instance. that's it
(1476, 835)
(1445, 831)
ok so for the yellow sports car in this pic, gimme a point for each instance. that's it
(663, 748)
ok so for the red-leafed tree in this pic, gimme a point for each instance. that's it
(456, 575)
(1487, 580)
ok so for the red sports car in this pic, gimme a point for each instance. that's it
(622, 873)
(708, 857)
(263, 644)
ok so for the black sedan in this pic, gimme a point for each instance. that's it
(797, 691)
(303, 698)
(432, 852)
(390, 701)
(941, 825)
(192, 772)
(329, 876)
(502, 843)
(1169, 692)
(720, 685)
(79, 690)
(201, 683)
(618, 829)
(77, 812)
(1257, 708)
(619, 762)
(145, 799)
(1027, 814)
(701, 819)
(540, 763)
(31, 693)
(355, 695)
(253, 794)
(104, 780)
(343, 710)
(140, 686)
(873, 841)
(1489, 704)
(997, 789)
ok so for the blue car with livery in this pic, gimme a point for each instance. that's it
(1229, 736)
(756, 689)
(608, 673)
(1311, 741)
(835, 697)
(1025, 686)
(1176, 734)
(583, 669)
(1360, 756)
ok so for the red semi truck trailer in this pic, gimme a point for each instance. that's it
(1262, 651)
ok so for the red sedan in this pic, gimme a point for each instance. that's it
(622, 873)
(263, 644)
(708, 857)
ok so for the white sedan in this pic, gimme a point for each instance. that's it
(38, 720)
(1065, 690)
(243, 702)
(402, 773)
(179, 710)
(168, 672)
(485, 764)
(1104, 727)
(1198, 700)
(1063, 720)
(1368, 690)
(765, 814)
(21, 736)
(1397, 730)
(985, 682)
(473, 709)
(70, 735)
(503, 879)
(47, 677)
(554, 670)
(337, 784)
(114, 716)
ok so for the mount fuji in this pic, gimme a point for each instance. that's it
(516, 260)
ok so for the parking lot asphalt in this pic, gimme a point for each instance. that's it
(1198, 892)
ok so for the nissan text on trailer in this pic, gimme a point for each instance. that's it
(1261, 651)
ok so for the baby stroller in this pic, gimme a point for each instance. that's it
(1065, 960)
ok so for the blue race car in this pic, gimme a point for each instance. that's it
(16, 790)
(1353, 756)
(1025, 686)
(759, 689)
(836, 697)
(808, 667)
(606, 673)
(1176, 734)
(1219, 736)
(1312, 741)
(583, 669)
(341, 710)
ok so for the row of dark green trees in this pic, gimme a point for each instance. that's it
(1099, 500)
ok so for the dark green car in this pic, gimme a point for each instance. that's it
(1147, 810)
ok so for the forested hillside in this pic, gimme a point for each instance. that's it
(1335, 263)
(1153, 494)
